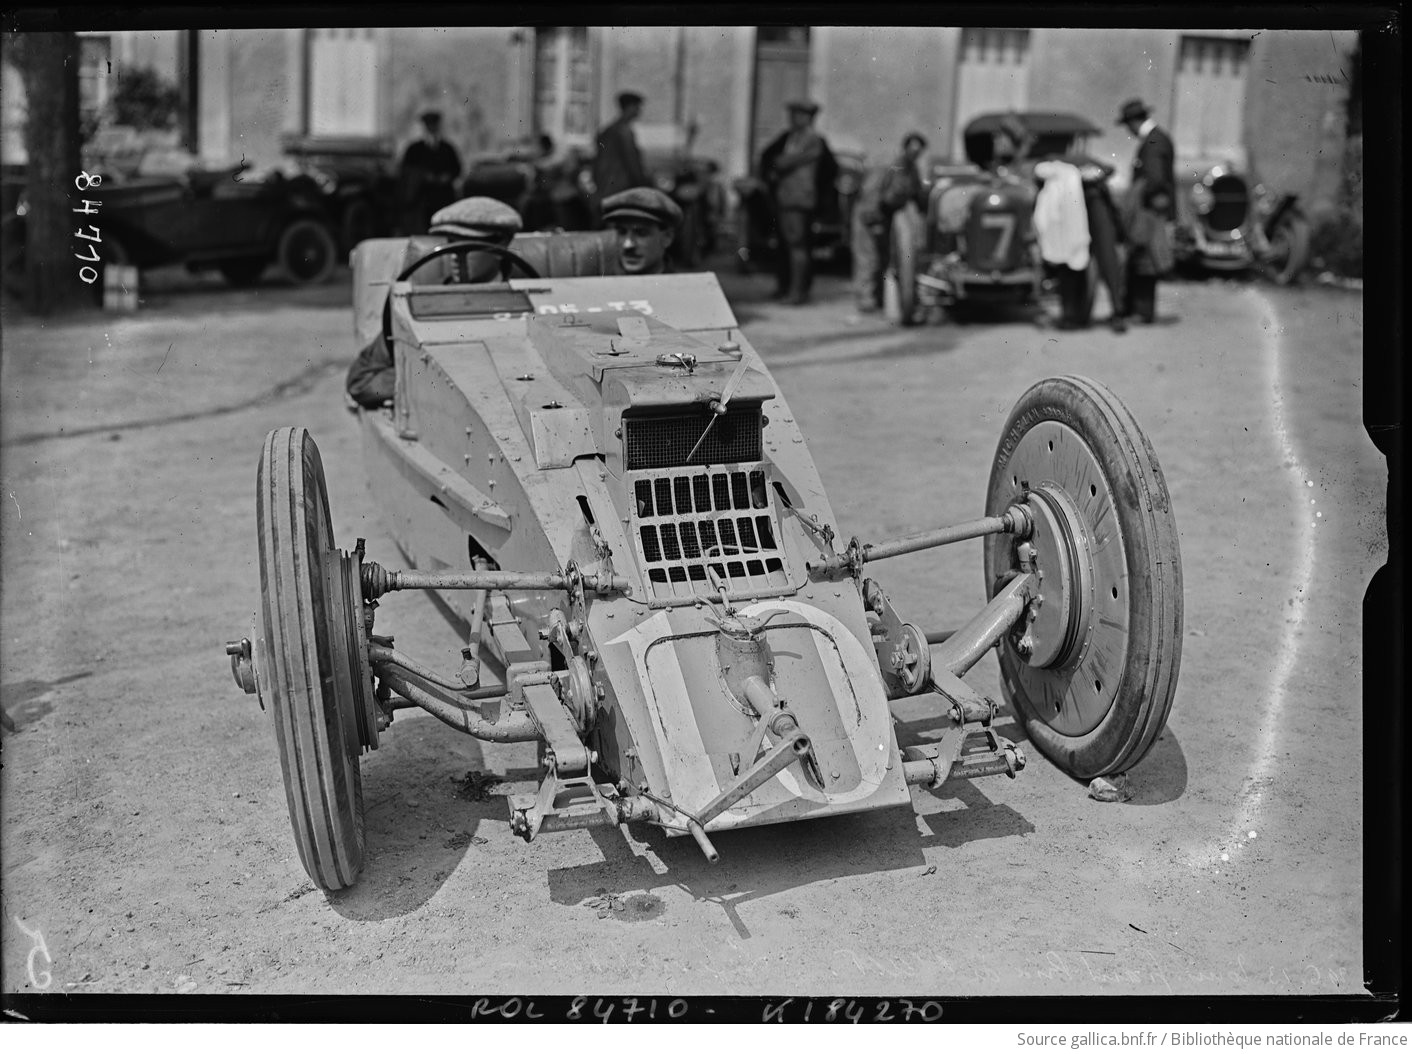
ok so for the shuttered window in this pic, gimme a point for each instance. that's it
(342, 82)
(993, 75)
(1209, 106)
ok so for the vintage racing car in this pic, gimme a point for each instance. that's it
(976, 243)
(1227, 220)
(604, 481)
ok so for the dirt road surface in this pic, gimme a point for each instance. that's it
(146, 844)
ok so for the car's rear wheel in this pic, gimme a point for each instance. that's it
(307, 251)
(1091, 678)
(243, 271)
(358, 224)
(1289, 250)
(312, 666)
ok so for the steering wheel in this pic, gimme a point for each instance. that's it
(461, 250)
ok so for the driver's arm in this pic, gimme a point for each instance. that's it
(372, 379)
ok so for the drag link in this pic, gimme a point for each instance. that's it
(1015, 520)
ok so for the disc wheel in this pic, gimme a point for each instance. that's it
(313, 672)
(1091, 678)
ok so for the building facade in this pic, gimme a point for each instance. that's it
(1275, 99)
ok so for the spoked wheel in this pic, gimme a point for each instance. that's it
(312, 662)
(307, 251)
(1091, 678)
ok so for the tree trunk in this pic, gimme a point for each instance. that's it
(49, 63)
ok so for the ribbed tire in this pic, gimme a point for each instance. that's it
(317, 753)
(905, 240)
(1095, 703)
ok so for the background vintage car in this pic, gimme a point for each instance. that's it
(555, 191)
(357, 176)
(833, 223)
(976, 243)
(1227, 220)
(161, 207)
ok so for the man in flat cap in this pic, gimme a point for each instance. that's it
(618, 164)
(372, 377)
(1151, 204)
(1010, 149)
(886, 190)
(646, 221)
(428, 173)
(800, 169)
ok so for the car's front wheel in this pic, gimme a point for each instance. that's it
(307, 251)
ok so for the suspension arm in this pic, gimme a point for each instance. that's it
(515, 728)
(1014, 520)
(964, 647)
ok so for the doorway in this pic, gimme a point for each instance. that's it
(781, 75)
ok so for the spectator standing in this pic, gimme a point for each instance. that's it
(1150, 206)
(886, 190)
(618, 166)
(427, 175)
(1061, 227)
(799, 168)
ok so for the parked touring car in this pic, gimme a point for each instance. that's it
(228, 219)
(976, 243)
(603, 479)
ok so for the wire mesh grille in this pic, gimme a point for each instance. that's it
(691, 526)
(666, 440)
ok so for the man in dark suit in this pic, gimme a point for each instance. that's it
(1151, 205)
(429, 170)
(618, 166)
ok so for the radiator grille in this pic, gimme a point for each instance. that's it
(665, 440)
(725, 521)
(1231, 203)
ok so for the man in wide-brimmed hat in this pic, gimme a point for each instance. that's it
(800, 169)
(1151, 205)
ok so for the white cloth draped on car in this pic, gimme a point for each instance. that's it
(1060, 219)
